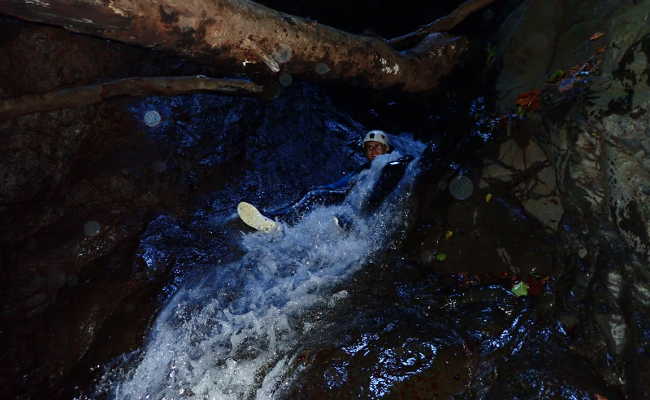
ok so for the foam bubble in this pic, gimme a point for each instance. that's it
(461, 187)
(285, 79)
(321, 68)
(283, 54)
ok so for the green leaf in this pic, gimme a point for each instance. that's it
(556, 76)
(520, 289)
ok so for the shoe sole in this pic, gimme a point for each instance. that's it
(337, 223)
(253, 218)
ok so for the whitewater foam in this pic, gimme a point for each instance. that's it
(231, 334)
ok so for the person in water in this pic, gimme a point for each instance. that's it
(375, 143)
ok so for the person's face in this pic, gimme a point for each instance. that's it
(374, 149)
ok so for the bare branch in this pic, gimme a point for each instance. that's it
(84, 95)
(444, 24)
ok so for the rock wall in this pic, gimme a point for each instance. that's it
(77, 188)
(594, 132)
(80, 187)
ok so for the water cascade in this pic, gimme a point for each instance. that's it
(233, 333)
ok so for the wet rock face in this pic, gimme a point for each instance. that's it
(495, 238)
(615, 138)
(605, 167)
(395, 367)
(79, 187)
(406, 333)
(541, 37)
(70, 214)
(598, 146)
(522, 168)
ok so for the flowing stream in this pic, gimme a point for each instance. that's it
(233, 333)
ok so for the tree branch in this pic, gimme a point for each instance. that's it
(444, 24)
(84, 95)
(252, 39)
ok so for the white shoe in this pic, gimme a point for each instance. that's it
(252, 217)
(342, 223)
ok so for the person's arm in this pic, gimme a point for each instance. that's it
(333, 193)
(390, 176)
(346, 182)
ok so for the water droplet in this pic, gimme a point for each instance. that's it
(92, 228)
(461, 187)
(285, 79)
(321, 68)
(283, 54)
(152, 118)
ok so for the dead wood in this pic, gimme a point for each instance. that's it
(84, 95)
(252, 39)
(444, 24)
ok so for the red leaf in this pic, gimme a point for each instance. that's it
(596, 36)
(529, 100)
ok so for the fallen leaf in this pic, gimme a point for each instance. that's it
(529, 100)
(596, 36)
(600, 397)
(520, 289)
(556, 76)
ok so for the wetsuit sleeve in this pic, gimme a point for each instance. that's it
(390, 176)
(333, 193)
(346, 182)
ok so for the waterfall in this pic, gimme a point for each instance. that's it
(231, 334)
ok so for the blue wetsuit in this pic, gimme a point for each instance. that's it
(335, 193)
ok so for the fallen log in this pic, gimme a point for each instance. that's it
(252, 39)
(91, 94)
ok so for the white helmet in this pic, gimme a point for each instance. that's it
(377, 136)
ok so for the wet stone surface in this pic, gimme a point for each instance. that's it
(594, 135)
(495, 237)
(408, 332)
(86, 264)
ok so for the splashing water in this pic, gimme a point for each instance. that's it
(231, 334)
